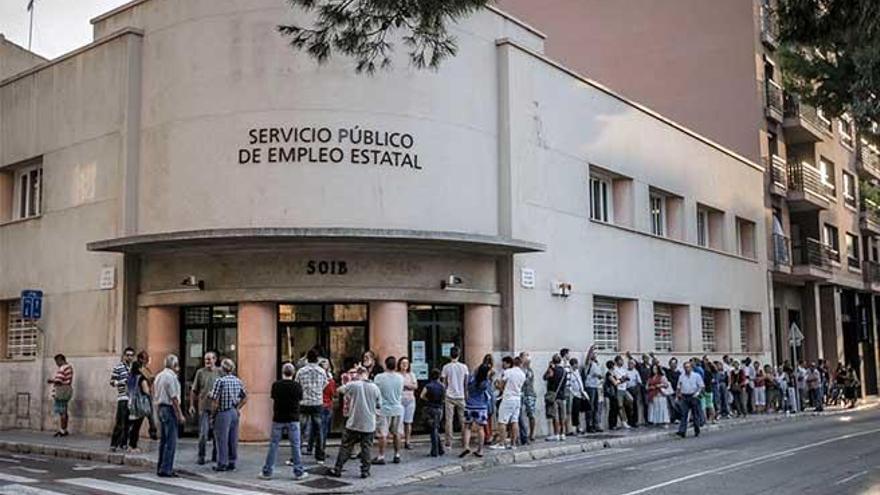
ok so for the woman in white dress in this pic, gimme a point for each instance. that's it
(658, 389)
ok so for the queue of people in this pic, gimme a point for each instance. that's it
(494, 406)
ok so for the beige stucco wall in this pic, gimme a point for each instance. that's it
(15, 59)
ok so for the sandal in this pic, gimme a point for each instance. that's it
(464, 453)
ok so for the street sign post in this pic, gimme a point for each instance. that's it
(795, 338)
(31, 304)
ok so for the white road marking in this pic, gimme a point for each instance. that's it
(29, 457)
(81, 467)
(16, 479)
(12, 461)
(30, 470)
(109, 486)
(191, 484)
(850, 478)
(25, 490)
(767, 457)
(569, 458)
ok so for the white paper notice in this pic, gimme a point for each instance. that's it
(418, 351)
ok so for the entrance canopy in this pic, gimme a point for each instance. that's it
(280, 236)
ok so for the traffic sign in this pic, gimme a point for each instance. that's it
(31, 304)
(795, 335)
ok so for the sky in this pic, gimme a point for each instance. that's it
(59, 25)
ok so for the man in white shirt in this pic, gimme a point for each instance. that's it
(454, 376)
(363, 398)
(512, 380)
(801, 373)
(593, 376)
(624, 400)
(690, 386)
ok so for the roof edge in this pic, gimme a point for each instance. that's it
(117, 10)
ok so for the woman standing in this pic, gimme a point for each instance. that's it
(760, 391)
(476, 410)
(62, 392)
(658, 389)
(851, 387)
(609, 389)
(410, 384)
(491, 397)
(327, 401)
(140, 404)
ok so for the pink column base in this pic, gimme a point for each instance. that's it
(257, 367)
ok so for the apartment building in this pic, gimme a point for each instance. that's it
(714, 67)
(177, 188)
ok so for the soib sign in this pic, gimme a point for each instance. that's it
(310, 145)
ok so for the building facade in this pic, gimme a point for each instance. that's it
(187, 183)
(714, 66)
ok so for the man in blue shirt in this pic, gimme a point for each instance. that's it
(390, 418)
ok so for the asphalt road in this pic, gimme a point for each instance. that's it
(823, 455)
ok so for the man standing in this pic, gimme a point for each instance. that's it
(634, 389)
(624, 400)
(512, 380)
(814, 385)
(390, 419)
(312, 378)
(454, 375)
(672, 375)
(554, 402)
(363, 399)
(801, 379)
(286, 395)
(593, 376)
(200, 404)
(62, 392)
(167, 392)
(119, 379)
(529, 401)
(690, 386)
(228, 396)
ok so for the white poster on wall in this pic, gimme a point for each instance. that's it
(420, 369)
(446, 348)
(418, 351)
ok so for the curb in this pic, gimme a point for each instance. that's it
(519, 457)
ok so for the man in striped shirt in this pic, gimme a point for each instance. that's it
(228, 396)
(62, 391)
(119, 379)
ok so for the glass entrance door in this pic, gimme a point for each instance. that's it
(433, 331)
(339, 330)
(203, 329)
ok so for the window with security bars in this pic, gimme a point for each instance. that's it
(605, 324)
(21, 334)
(744, 332)
(663, 327)
(708, 330)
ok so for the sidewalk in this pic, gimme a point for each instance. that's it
(416, 465)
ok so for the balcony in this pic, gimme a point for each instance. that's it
(803, 123)
(812, 260)
(773, 101)
(778, 175)
(806, 190)
(769, 28)
(867, 161)
(871, 274)
(781, 254)
(869, 217)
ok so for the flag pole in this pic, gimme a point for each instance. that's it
(31, 28)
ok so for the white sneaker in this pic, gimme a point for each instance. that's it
(552, 438)
(626, 426)
(303, 476)
(562, 437)
(497, 446)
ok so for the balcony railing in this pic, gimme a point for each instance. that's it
(795, 108)
(773, 96)
(769, 28)
(778, 172)
(868, 158)
(871, 271)
(781, 250)
(805, 178)
(813, 253)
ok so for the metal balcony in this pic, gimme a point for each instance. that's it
(812, 260)
(769, 28)
(806, 191)
(778, 175)
(803, 123)
(871, 274)
(869, 217)
(781, 255)
(773, 101)
(867, 161)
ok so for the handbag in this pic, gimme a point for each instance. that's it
(551, 397)
(140, 405)
(63, 392)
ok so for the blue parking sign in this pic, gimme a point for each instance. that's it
(31, 304)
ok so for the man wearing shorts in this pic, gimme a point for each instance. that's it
(512, 380)
(529, 401)
(455, 377)
(390, 418)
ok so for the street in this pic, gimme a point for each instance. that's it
(41, 475)
(823, 455)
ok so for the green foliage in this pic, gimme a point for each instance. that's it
(361, 29)
(830, 53)
(870, 195)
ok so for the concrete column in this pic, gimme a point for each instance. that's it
(812, 323)
(477, 333)
(257, 366)
(628, 321)
(681, 328)
(723, 331)
(696, 329)
(163, 334)
(646, 326)
(832, 325)
(389, 335)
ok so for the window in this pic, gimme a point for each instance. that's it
(21, 334)
(826, 172)
(662, 327)
(658, 214)
(852, 251)
(708, 329)
(744, 332)
(606, 329)
(745, 234)
(27, 191)
(849, 190)
(600, 199)
(831, 241)
(702, 227)
(772, 144)
(873, 251)
(846, 128)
